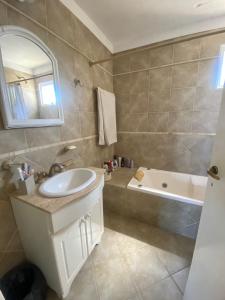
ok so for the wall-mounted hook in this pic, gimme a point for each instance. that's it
(77, 82)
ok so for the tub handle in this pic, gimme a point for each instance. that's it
(213, 172)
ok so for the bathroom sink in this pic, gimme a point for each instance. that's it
(67, 183)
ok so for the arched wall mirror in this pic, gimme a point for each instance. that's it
(30, 93)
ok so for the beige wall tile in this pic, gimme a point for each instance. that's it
(140, 60)
(102, 79)
(208, 99)
(86, 98)
(159, 100)
(161, 56)
(15, 243)
(201, 151)
(160, 78)
(185, 75)
(82, 70)
(11, 260)
(3, 14)
(180, 121)
(133, 122)
(72, 127)
(42, 136)
(134, 103)
(65, 56)
(122, 84)
(182, 99)
(139, 82)
(88, 123)
(82, 38)
(208, 73)
(69, 96)
(114, 199)
(210, 46)
(122, 104)
(12, 140)
(138, 102)
(158, 122)
(59, 19)
(189, 50)
(14, 18)
(36, 10)
(204, 121)
(8, 225)
(121, 64)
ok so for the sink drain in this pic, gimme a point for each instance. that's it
(140, 185)
(164, 185)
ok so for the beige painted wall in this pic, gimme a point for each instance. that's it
(79, 107)
(167, 105)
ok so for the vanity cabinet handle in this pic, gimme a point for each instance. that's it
(82, 221)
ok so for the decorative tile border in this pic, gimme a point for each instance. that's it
(32, 149)
(167, 133)
(168, 65)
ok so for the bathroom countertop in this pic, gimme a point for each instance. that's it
(51, 205)
(121, 177)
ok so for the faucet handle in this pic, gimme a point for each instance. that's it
(39, 176)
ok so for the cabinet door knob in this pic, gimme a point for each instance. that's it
(213, 172)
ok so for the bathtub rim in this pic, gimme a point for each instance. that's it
(160, 193)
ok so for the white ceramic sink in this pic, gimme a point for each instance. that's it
(67, 183)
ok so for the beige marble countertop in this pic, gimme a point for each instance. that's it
(121, 177)
(51, 205)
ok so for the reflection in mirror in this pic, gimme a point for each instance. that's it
(29, 78)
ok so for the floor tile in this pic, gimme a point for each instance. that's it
(84, 287)
(145, 267)
(181, 278)
(107, 249)
(164, 290)
(113, 280)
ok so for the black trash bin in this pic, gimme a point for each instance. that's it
(24, 282)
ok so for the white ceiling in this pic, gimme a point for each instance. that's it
(126, 24)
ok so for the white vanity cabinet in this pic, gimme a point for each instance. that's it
(59, 243)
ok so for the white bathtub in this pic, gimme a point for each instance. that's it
(175, 186)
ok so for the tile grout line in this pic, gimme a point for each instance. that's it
(174, 281)
(167, 65)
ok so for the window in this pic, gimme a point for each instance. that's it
(47, 93)
(221, 77)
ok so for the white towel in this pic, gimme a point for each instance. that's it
(106, 117)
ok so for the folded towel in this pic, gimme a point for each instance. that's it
(106, 117)
(139, 175)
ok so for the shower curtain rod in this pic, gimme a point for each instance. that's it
(176, 40)
(31, 78)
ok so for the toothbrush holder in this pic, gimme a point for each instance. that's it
(27, 186)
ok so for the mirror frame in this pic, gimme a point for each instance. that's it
(9, 122)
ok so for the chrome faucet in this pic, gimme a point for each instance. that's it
(56, 168)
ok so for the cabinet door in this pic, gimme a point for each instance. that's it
(71, 249)
(94, 225)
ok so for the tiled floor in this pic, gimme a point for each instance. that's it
(134, 262)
